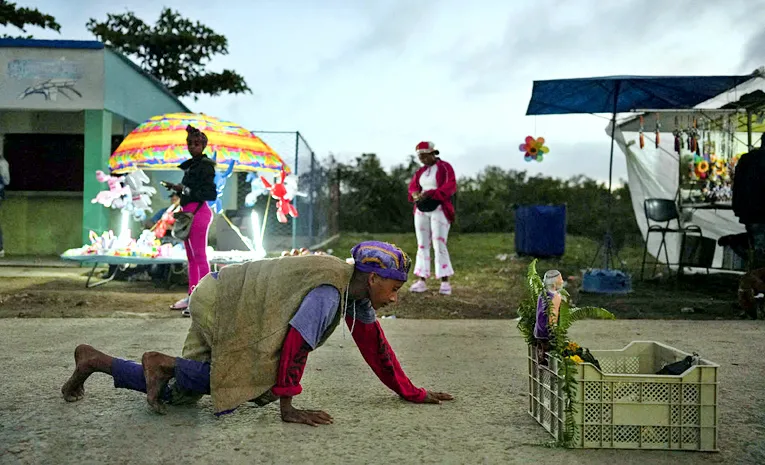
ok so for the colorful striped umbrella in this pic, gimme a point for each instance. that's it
(160, 144)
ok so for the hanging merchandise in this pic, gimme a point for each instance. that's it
(117, 194)
(283, 191)
(534, 149)
(220, 184)
(693, 138)
(678, 133)
(703, 141)
(141, 193)
(702, 168)
(711, 161)
(658, 130)
(641, 136)
(256, 189)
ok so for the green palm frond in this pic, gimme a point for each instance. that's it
(570, 315)
(591, 313)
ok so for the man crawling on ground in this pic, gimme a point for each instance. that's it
(253, 326)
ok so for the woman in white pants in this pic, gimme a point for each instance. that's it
(432, 189)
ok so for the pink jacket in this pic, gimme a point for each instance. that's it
(447, 187)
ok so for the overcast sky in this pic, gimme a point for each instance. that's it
(380, 75)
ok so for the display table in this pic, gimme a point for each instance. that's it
(707, 206)
(216, 259)
(96, 260)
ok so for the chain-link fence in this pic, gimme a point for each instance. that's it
(311, 227)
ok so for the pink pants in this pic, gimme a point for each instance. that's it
(196, 243)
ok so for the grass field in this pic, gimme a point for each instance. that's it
(484, 287)
(487, 287)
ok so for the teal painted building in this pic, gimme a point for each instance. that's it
(64, 107)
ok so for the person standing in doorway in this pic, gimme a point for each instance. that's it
(5, 179)
(196, 188)
(432, 190)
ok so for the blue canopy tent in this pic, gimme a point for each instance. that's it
(623, 94)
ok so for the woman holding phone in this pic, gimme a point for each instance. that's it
(196, 188)
(432, 191)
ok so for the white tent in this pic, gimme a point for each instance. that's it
(654, 172)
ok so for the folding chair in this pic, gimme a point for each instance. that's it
(663, 211)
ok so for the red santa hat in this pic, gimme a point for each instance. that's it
(426, 147)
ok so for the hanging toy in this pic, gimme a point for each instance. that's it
(141, 192)
(282, 194)
(117, 193)
(534, 149)
(658, 130)
(695, 135)
(678, 136)
(220, 183)
(641, 137)
(693, 138)
(256, 189)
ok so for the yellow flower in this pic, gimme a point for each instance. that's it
(576, 359)
(572, 346)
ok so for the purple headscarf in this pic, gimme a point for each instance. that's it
(383, 259)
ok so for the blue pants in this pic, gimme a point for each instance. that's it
(190, 375)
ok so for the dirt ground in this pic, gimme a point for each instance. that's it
(61, 293)
(481, 362)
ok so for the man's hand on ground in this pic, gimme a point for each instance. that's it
(437, 397)
(306, 417)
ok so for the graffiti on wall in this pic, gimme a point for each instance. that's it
(50, 78)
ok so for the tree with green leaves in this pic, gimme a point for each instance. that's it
(21, 18)
(377, 199)
(175, 50)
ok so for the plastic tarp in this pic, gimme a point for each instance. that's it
(540, 230)
(653, 172)
(596, 94)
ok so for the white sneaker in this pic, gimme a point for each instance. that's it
(2, 253)
(446, 288)
(419, 286)
(182, 304)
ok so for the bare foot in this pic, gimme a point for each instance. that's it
(74, 389)
(158, 369)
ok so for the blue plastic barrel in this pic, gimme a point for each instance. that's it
(540, 230)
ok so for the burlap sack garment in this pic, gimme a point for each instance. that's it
(240, 321)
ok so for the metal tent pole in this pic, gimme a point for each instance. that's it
(608, 242)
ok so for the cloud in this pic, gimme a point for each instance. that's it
(386, 29)
(557, 39)
(754, 52)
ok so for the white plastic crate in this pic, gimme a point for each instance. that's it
(627, 405)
